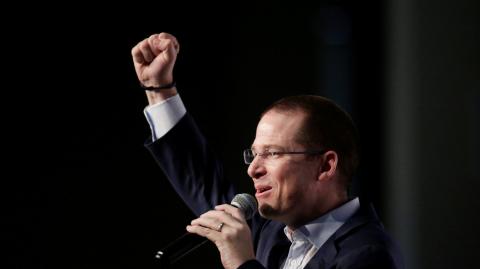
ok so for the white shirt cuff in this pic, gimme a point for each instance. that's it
(163, 116)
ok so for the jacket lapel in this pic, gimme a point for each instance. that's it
(273, 250)
(323, 256)
(326, 255)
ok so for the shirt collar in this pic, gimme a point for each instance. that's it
(319, 230)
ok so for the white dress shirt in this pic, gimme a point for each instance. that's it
(163, 116)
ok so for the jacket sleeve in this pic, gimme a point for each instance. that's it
(191, 166)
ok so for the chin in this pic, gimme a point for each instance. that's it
(267, 211)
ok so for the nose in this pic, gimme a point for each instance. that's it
(256, 169)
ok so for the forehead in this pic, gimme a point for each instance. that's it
(278, 129)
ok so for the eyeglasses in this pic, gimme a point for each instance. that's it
(249, 154)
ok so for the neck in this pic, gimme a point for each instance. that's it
(334, 201)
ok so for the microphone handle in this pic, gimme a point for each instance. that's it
(180, 247)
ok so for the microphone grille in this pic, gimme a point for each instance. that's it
(247, 203)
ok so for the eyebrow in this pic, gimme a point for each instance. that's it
(269, 146)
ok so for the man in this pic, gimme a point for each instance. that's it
(301, 162)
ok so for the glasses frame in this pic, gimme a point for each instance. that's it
(266, 154)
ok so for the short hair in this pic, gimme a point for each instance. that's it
(326, 126)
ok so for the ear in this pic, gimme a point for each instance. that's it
(328, 167)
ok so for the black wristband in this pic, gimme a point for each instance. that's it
(168, 86)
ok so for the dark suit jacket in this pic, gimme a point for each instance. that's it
(196, 175)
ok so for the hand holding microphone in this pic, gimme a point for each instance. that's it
(226, 227)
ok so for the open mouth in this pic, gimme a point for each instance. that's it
(262, 190)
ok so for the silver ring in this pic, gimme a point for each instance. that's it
(219, 227)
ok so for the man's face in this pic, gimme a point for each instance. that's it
(286, 185)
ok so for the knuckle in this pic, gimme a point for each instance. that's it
(227, 236)
(204, 215)
(164, 35)
(230, 235)
(134, 51)
(143, 46)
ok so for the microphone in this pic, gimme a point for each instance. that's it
(189, 241)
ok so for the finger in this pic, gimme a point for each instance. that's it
(221, 215)
(176, 45)
(137, 55)
(212, 235)
(170, 49)
(213, 218)
(208, 222)
(154, 42)
(146, 50)
(164, 45)
(233, 211)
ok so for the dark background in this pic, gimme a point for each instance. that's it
(84, 192)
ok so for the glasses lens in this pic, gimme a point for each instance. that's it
(248, 156)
